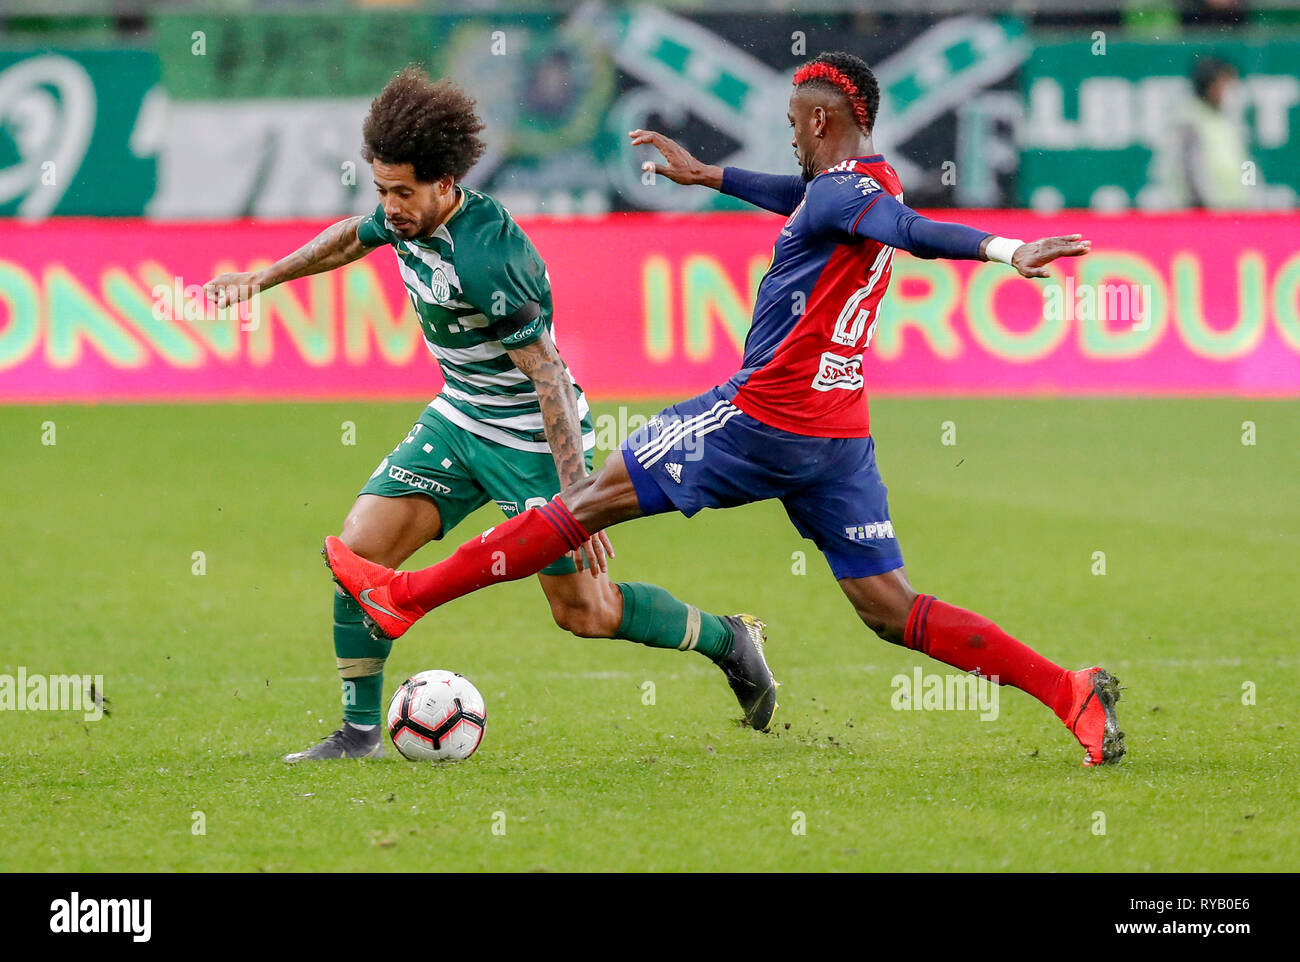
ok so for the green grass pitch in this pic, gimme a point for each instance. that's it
(212, 677)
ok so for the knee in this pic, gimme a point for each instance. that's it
(605, 498)
(363, 545)
(360, 537)
(374, 543)
(582, 498)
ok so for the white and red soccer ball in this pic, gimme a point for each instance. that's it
(437, 716)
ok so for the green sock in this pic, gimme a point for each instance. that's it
(361, 663)
(651, 616)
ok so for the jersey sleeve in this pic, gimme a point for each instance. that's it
(779, 193)
(507, 282)
(857, 205)
(373, 231)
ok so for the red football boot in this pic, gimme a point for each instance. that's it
(1092, 715)
(367, 583)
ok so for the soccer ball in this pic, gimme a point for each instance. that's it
(436, 716)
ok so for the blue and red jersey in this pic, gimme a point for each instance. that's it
(819, 302)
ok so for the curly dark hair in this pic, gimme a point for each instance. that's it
(850, 76)
(428, 124)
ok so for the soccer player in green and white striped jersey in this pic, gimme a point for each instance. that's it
(510, 426)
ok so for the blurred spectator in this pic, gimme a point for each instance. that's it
(1203, 161)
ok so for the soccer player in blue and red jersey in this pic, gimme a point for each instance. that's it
(792, 424)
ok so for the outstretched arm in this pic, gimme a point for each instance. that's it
(779, 193)
(335, 246)
(881, 217)
(558, 401)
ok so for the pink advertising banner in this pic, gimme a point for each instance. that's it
(653, 305)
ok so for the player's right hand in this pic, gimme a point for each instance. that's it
(226, 289)
(679, 166)
(1032, 259)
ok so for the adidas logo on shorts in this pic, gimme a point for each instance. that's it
(674, 471)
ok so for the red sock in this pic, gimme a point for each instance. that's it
(520, 547)
(971, 642)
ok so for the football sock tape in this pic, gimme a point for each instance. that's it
(360, 662)
(653, 617)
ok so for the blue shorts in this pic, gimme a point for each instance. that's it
(707, 453)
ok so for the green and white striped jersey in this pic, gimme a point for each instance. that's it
(479, 287)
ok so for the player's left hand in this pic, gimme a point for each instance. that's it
(679, 165)
(227, 289)
(596, 549)
(1031, 259)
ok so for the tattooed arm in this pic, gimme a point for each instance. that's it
(555, 395)
(335, 246)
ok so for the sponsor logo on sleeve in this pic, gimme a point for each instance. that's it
(868, 185)
(524, 332)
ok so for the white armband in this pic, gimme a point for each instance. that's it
(1002, 249)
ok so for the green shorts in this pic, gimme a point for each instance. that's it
(462, 472)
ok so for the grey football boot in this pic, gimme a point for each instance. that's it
(345, 742)
(747, 672)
